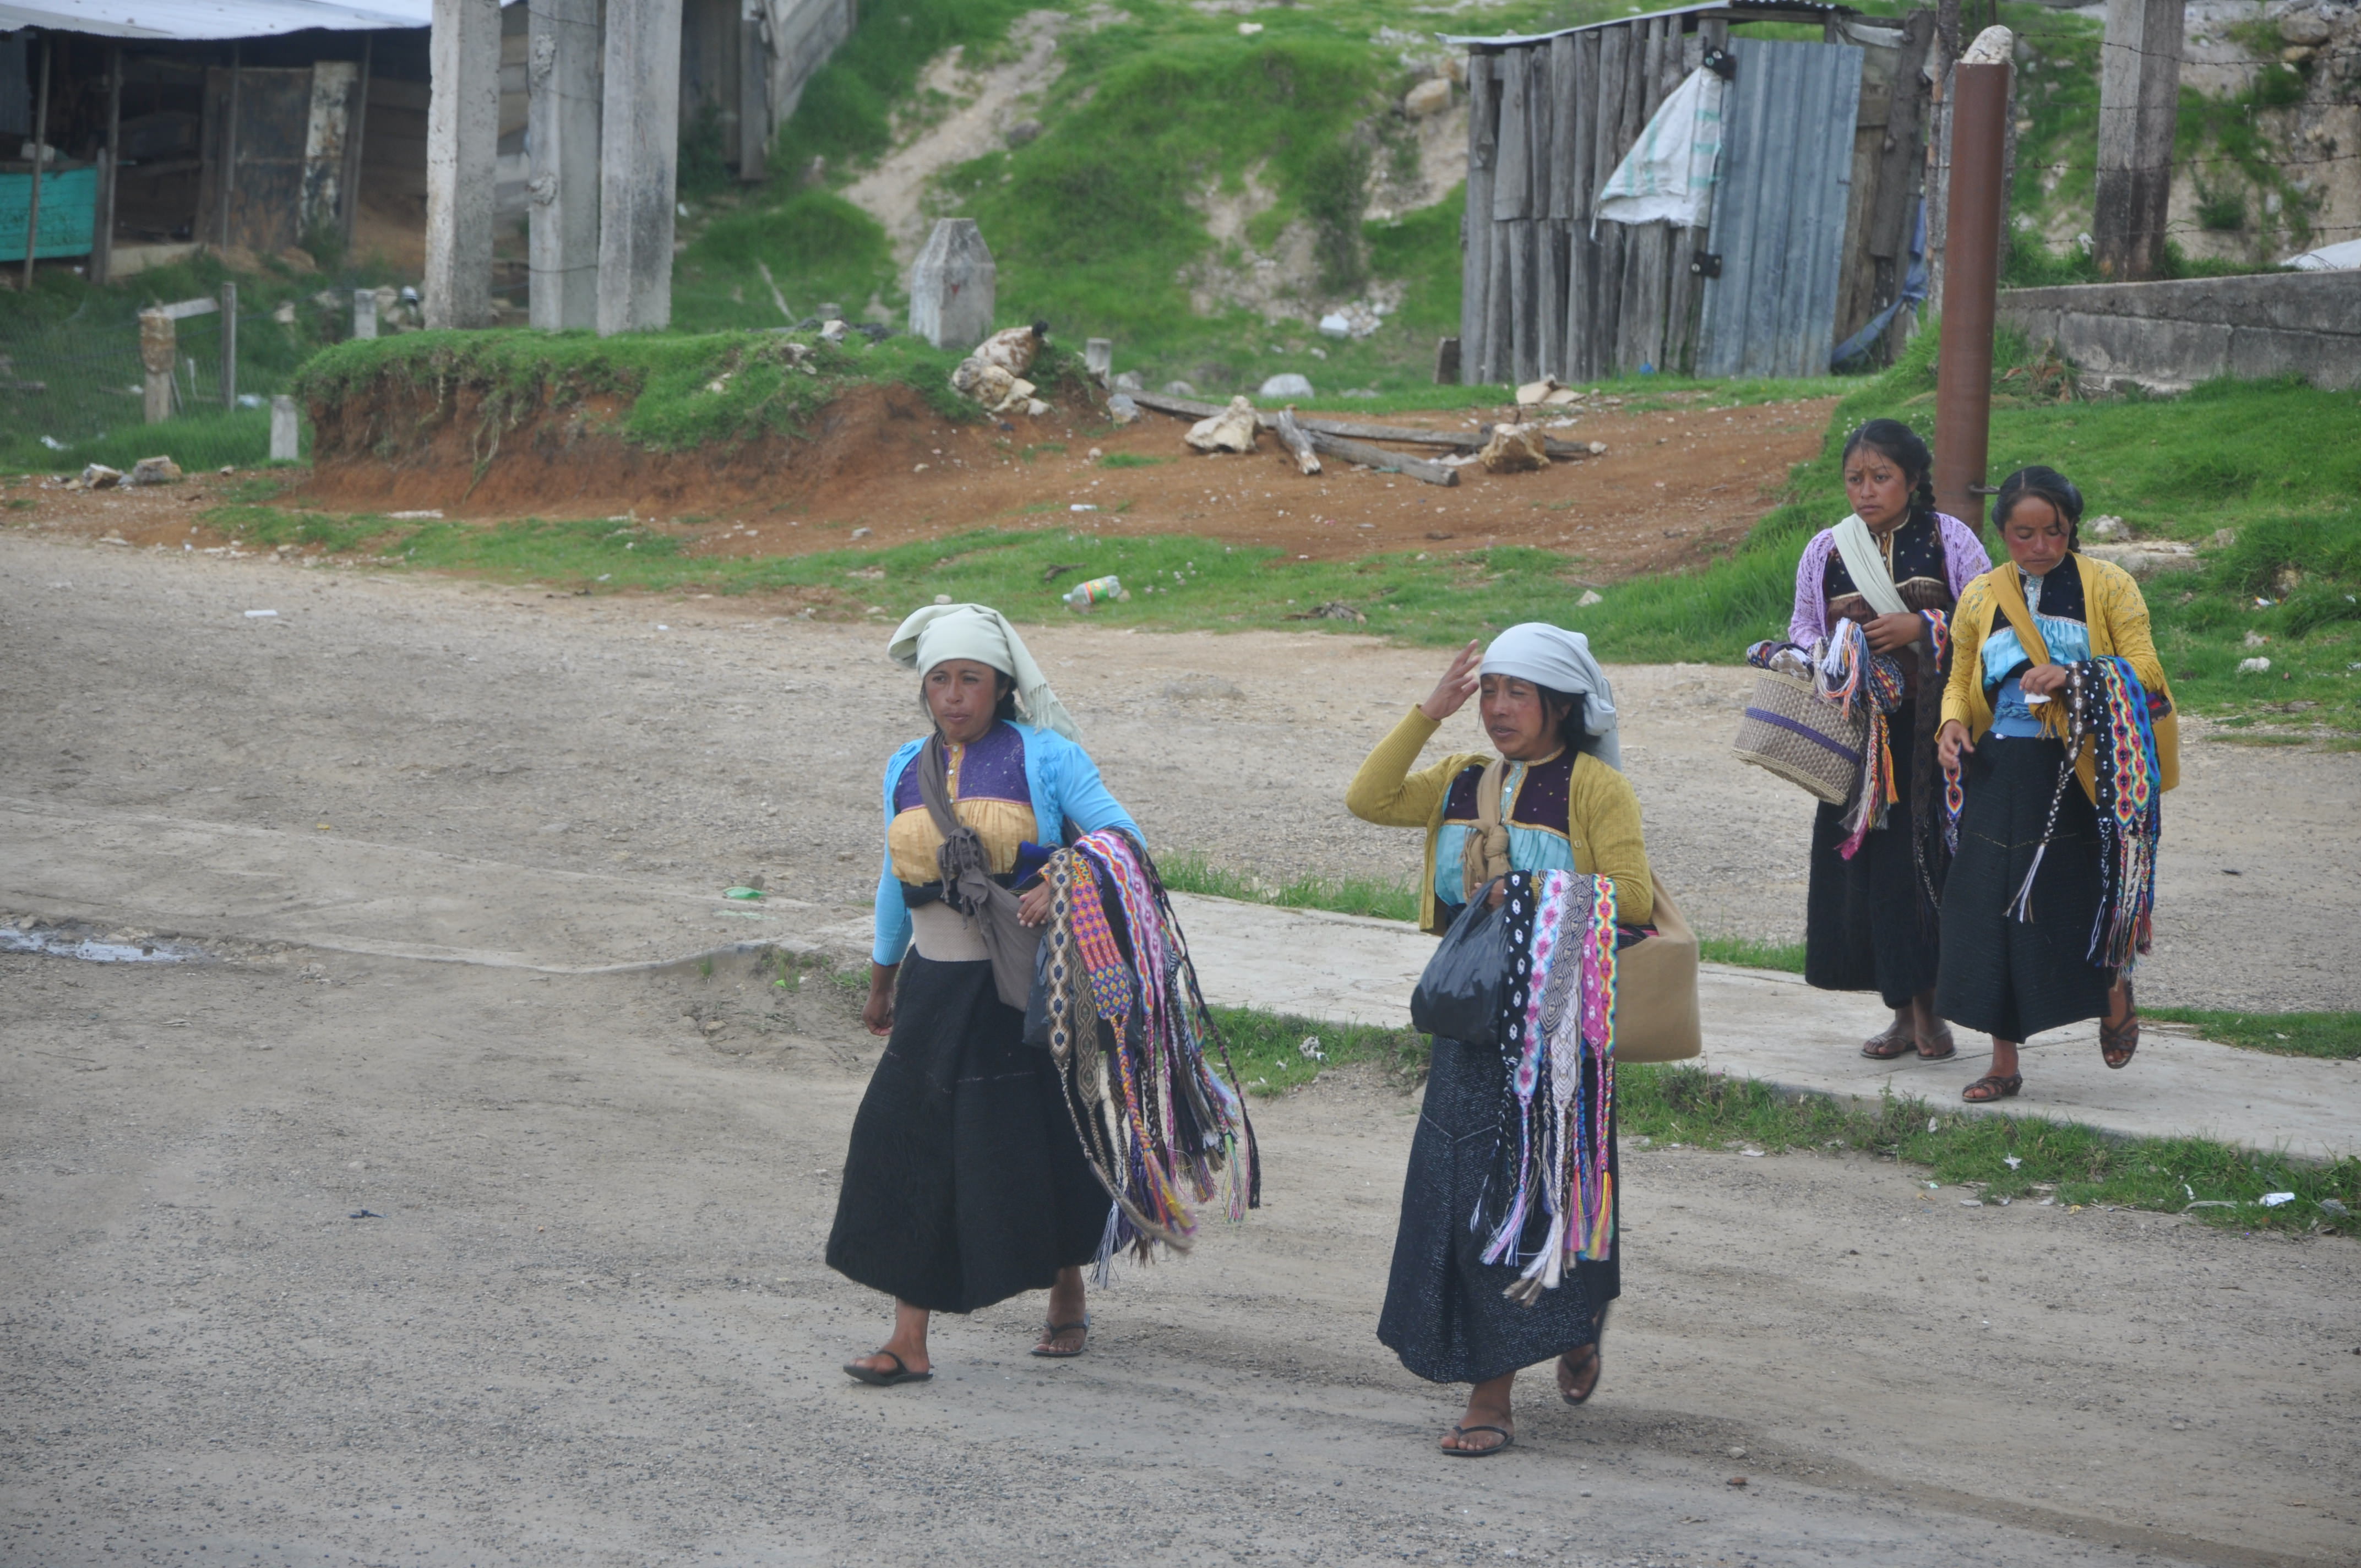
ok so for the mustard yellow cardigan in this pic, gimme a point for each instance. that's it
(1602, 814)
(2117, 615)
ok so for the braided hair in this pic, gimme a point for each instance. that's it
(1898, 443)
(2045, 485)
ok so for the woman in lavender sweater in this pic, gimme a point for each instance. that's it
(1870, 921)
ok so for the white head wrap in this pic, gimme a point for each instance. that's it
(941, 632)
(1554, 657)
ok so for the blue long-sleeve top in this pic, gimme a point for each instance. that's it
(1068, 796)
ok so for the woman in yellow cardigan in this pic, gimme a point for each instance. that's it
(1547, 706)
(2017, 958)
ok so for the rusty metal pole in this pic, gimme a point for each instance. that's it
(1963, 366)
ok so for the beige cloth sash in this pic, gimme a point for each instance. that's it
(1865, 563)
(944, 936)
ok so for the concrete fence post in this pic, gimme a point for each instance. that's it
(952, 285)
(286, 435)
(1098, 358)
(638, 144)
(562, 76)
(160, 355)
(365, 312)
(463, 129)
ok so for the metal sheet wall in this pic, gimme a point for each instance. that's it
(1548, 291)
(1780, 208)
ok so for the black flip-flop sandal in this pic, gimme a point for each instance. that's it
(1950, 1048)
(1508, 1440)
(1890, 1043)
(901, 1373)
(1048, 1349)
(1598, 1362)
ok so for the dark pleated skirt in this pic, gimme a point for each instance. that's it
(1868, 924)
(965, 1183)
(2008, 977)
(1444, 1315)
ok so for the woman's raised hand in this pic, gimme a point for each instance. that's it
(1459, 683)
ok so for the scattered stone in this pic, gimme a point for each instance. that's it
(2254, 666)
(2145, 559)
(2307, 27)
(1023, 131)
(1232, 430)
(1334, 610)
(1286, 384)
(99, 477)
(2107, 530)
(1129, 381)
(1013, 348)
(1336, 325)
(1430, 97)
(1589, 597)
(154, 471)
(1122, 409)
(2287, 581)
(1514, 449)
(2256, 640)
(1179, 389)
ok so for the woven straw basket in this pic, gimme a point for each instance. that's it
(1794, 733)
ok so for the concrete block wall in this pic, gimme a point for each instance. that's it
(2169, 337)
(804, 33)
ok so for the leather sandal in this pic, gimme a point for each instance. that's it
(901, 1373)
(1897, 1039)
(1947, 1051)
(2118, 1041)
(1992, 1086)
(1508, 1440)
(1053, 1333)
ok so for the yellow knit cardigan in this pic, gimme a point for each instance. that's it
(1602, 814)
(2117, 615)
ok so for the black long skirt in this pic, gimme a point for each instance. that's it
(1444, 1315)
(965, 1183)
(1867, 923)
(2008, 977)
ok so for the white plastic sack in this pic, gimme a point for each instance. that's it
(1668, 174)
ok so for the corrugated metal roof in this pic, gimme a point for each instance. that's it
(188, 19)
(1714, 10)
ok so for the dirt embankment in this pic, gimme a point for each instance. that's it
(1674, 486)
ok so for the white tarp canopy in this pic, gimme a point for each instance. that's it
(1668, 174)
(189, 20)
(2328, 258)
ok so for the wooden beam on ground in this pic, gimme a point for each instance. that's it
(1380, 458)
(1350, 430)
(1292, 434)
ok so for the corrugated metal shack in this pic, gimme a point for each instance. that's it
(1810, 230)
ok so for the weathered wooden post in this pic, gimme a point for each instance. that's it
(952, 286)
(229, 346)
(1963, 370)
(40, 162)
(2139, 101)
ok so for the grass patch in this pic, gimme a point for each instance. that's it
(2335, 1036)
(1748, 953)
(1130, 460)
(1677, 1105)
(1380, 897)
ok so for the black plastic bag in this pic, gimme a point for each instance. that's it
(1458, 996)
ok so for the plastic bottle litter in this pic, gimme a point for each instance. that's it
(1098, 590)
(742, 892)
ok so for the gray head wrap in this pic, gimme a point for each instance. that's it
(1554, 657)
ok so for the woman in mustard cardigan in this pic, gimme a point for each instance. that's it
(1547, 706)
(2017, 958)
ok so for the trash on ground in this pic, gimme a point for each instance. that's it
(2010, 1160)
(742, 892)
(2254, 666)
(365, 1214)
(1515, 449)
(2273, 1200)
(1310, 1049)
(1098, 590)
(261, 614)
(153, 471)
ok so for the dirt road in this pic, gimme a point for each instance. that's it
(586, 1319)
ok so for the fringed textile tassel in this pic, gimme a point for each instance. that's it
(2130, 813)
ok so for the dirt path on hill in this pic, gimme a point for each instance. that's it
(583, 1317)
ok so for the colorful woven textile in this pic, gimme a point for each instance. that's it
(1549, 1198)
(1848, 671)
(2105, 707)
(1129, 1029)
(2131, 813)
